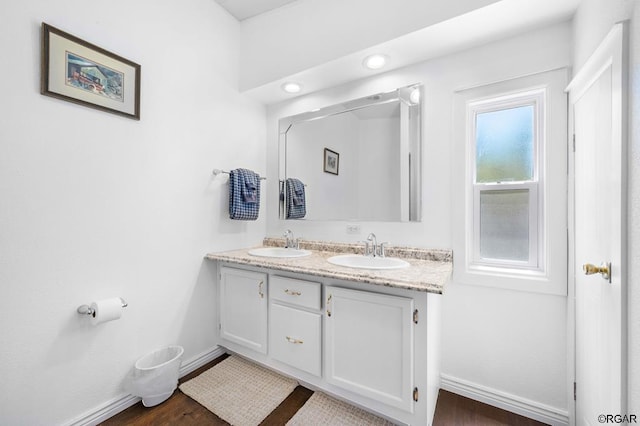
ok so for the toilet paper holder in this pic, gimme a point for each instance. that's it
(88, 310)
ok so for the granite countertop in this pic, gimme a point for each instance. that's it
(429, 270)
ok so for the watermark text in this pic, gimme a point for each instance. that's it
(618, 418)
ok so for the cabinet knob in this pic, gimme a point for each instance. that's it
(294, 341)
(329, 306)
(293, 292)
(260, 292)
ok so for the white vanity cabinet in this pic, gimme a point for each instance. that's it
(295, 332)
(374, 346)
(369, 345)
(244, 308)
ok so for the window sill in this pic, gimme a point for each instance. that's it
(524, 272)
(527, 280)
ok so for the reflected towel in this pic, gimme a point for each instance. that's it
(244, 194)
(296, 199)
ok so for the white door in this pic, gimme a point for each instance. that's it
(596, 98)
(243, 308)
(369, 345)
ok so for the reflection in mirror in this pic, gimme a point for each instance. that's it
(359, 160)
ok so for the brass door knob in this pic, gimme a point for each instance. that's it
(604, 270)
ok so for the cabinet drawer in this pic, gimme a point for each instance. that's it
(296, 292)
(295, 338)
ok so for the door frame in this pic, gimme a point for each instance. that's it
(613, 50)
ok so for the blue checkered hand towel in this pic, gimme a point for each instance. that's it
(296, 199)
(244, 194)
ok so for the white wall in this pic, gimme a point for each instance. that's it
(307, 33)
(508, 341)
(593, 21)
(95, 205)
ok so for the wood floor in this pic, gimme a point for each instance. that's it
(451, 410)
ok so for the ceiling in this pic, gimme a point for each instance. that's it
(244, 9)
(502, 19)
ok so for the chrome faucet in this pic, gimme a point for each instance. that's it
(372, 248)
(290, 241)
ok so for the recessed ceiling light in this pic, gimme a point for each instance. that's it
(292, 87)
(375, 62)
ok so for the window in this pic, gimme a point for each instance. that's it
(505, 137)
(509, 184)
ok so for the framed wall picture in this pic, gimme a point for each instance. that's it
(85, 74)
(331, 161)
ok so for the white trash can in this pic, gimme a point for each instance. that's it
(155, 375)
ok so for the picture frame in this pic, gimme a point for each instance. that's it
(85, 74)
(331, 161)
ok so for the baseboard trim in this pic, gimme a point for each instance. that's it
(106, 411)
(515, 404)
(117, 405)
(199, 360)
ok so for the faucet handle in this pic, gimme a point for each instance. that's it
(366, 247)
(289, 240)
(381, 247)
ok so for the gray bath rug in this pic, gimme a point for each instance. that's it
(323, 410)
(238, 391)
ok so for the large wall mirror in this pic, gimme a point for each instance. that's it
(357, 161)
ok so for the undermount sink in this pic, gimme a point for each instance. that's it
(367, 262)
(278, 252)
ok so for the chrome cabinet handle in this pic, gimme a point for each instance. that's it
(292, 292)
(294, 341)
(260, 292)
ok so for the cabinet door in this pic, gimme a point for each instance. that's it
(369, 345)
(243, 308)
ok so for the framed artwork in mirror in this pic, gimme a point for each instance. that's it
(331, 161)
(88, 75)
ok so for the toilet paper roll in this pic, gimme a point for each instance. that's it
(106, 310)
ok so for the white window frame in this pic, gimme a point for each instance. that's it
(548, 275)
(535, 186)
